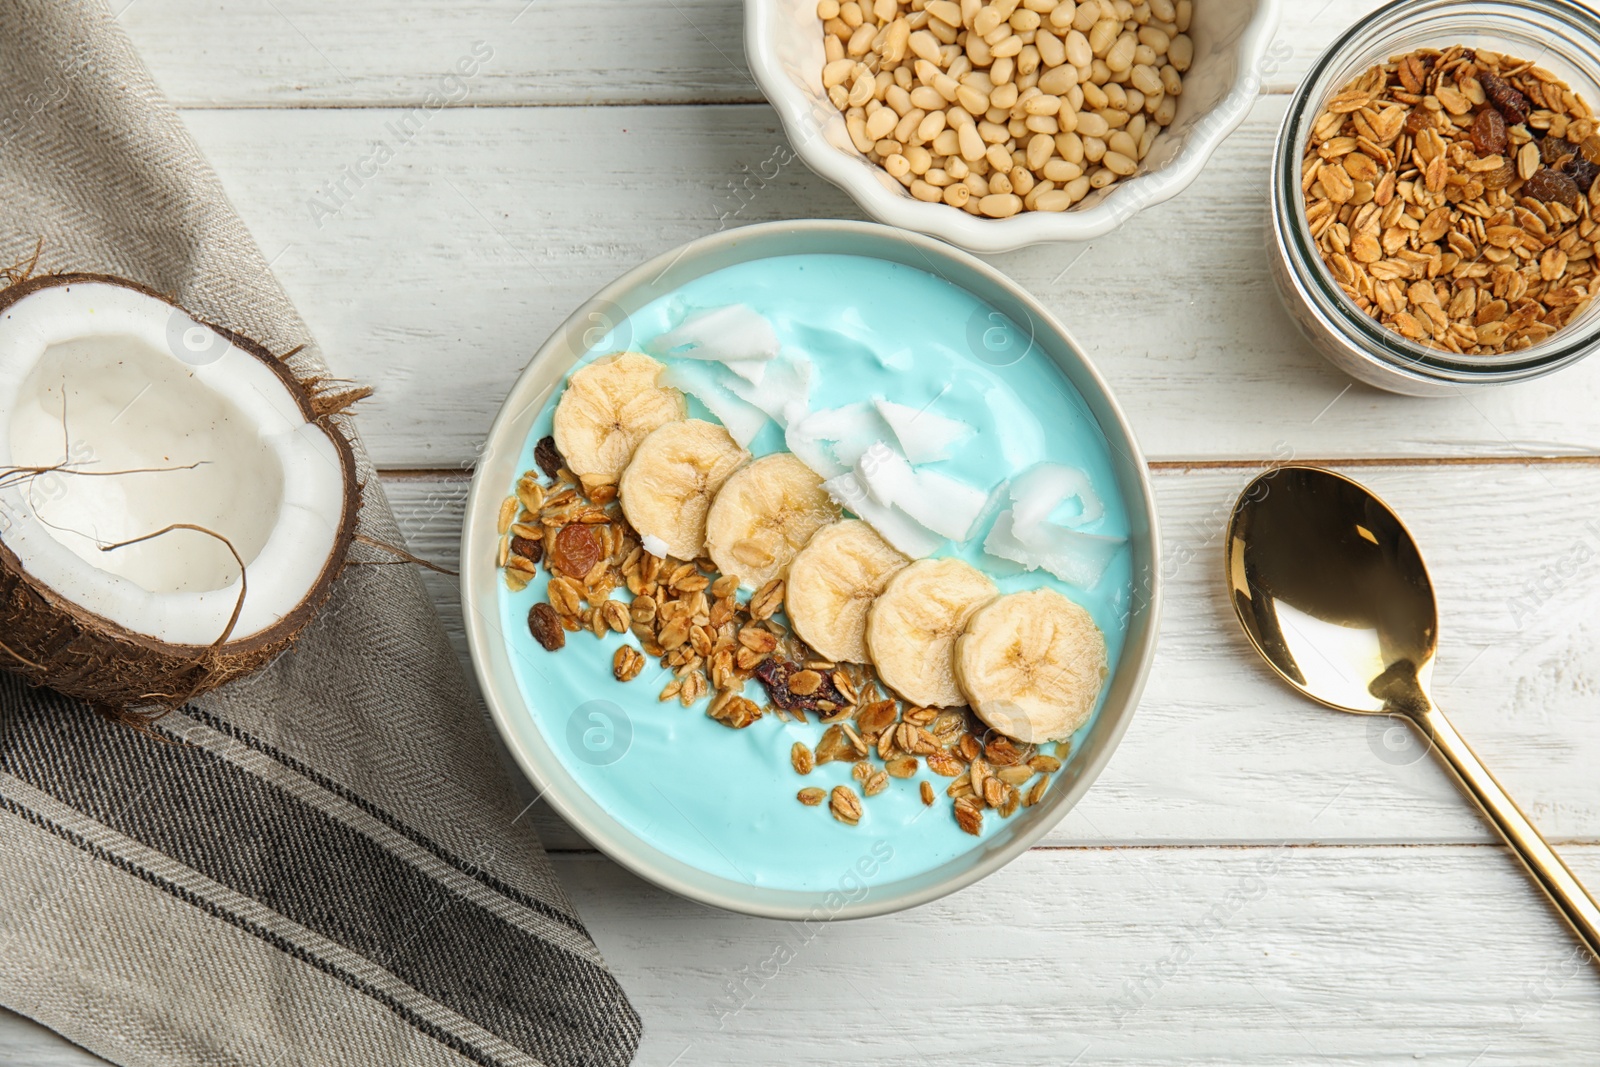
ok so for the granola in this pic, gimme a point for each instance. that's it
(1450, 194)
(688, 618)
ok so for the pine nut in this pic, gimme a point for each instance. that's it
(1120, 164)
(1181, 52)
(1120, 56)
(1054, 200)
(1010, 105)
(970, 98)
(880, 123)
(1060, 171)
(1000, 205)
(1155, 38)
(971, 143)
(1040, 148)
(1091, 124)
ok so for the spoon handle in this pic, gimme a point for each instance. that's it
(1544, 866)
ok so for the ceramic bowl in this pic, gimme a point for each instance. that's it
(536, 747)
(783, 44)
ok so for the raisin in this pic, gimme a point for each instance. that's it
(548, 457)
(531, 551)
(1551, 185)
(1489, 133)
(1511, 104)
(1418, 120)
(1552, 150)
(576, 550)
(545, 625)
(1500, 177)
(1581, 171)
(774, 675)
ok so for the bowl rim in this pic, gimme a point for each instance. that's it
(976, 234)
(535, 756)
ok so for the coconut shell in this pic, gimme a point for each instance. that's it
(55, 643)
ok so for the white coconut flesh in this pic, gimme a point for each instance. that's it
(143, 387)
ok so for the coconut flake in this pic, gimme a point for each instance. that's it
(947, 506)
(742, 419)
(924, 436)
(1024, 533)
(784, 392)
(1038, 491)
(893, 525)
(1075, 557)
(727, 334)
(654, 545)
(848, 432)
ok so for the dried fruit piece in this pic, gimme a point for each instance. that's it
(1552, 150)
(1488, 133)
(1582, 171)
(576, 550)
(1552, 186)
(1418, 120)
(1511, 104)
(776, 675)
(548, 457)
(546, 627)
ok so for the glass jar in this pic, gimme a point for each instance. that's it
(1560, 36)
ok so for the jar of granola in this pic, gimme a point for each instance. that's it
(1434, 198)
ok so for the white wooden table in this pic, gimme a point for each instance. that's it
(1252, 880)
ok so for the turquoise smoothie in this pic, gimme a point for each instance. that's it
(723, 800)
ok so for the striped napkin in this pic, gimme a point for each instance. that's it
(324, 864)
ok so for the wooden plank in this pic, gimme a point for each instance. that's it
(1272, 956)
(1221, 752)
(492, 225)
(303, 53)
(1158, 956)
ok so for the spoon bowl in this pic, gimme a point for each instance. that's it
(1332, 591)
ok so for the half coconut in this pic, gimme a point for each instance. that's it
(174, 503)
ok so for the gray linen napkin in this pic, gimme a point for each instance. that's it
(329, 866)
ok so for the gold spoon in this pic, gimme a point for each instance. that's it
(1333, 593)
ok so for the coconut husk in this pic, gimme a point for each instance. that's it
(54, 642)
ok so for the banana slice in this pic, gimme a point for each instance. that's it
(912, 628)
(833, 582)
(675, 473)
(763, 516)
(608, 408)
(1031, 665)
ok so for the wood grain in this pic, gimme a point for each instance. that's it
(1252, 880)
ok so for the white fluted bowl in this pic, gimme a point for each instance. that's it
(783, 43)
